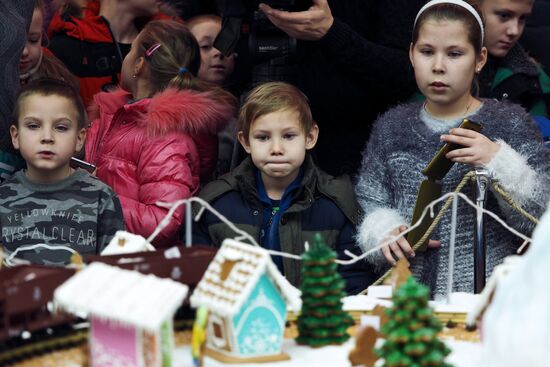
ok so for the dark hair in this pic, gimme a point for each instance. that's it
(449, 11)
(272, 97)
(51, 87)
(52, 68)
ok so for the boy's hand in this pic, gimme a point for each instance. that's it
(477, 151)
(401, 247)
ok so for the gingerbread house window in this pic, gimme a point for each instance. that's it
(217, 331)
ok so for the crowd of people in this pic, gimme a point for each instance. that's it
(143, 95)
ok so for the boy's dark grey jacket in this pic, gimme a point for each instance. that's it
(322, 203)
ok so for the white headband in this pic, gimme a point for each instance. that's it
(461, 3)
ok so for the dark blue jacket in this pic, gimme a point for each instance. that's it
(321, 203)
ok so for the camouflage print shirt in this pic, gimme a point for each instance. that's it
(80, 212)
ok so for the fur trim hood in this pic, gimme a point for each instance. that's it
(169, 111)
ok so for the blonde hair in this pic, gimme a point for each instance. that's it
(272, 97)
(173, 59)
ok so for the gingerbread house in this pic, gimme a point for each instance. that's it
(131, 314)
(247, 298)
(125, 243)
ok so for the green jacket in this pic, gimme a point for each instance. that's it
(518, 79)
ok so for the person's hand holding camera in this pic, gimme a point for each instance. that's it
(310, 25)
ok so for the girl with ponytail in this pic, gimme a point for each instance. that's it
(155, 139)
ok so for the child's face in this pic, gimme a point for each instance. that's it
(47, 135)
(33, 47)
(133, 67)
(504, 23)
(444, 63)
(215, 67)
(277, 144)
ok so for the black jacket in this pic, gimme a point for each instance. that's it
(537, 33)
(356, 72)
(515, 78)
(322, 204)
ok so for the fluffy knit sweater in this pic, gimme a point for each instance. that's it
(402, 143)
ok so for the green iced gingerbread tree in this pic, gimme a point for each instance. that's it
(411, 332)
(322, 320)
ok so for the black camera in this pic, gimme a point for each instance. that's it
(263, 50)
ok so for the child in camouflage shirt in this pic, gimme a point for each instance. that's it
(49, 202)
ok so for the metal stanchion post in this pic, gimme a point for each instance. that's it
(481, 186)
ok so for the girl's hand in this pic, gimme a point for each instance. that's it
(478, 150)
(401, 247)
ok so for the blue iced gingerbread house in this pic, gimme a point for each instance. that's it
(247, 300)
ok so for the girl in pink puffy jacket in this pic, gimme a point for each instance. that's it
(155, 139)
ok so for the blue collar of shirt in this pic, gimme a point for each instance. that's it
(285, 199)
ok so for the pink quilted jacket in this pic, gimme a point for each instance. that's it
(154, 149)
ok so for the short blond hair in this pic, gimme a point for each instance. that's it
(272, 97)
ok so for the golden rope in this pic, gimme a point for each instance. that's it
(508, 198)
(467, 177)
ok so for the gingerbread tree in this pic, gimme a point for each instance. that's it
(411, 332)
(322, 320)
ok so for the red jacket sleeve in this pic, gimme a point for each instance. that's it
(168, 170)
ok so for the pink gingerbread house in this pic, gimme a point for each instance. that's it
(130, 314)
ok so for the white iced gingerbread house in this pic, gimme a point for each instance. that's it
(131, 314)
(247, 300)
(125, 243)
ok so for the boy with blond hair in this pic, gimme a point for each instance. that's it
(277, 194)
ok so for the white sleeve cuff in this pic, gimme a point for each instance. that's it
(513, 173)
(376, 226)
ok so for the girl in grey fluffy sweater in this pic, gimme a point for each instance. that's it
(402, 143)
(405, 139)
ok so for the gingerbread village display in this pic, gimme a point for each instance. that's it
(29, 326)
(130, 314)
(246, 301)
(25, 299)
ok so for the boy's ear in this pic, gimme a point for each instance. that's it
(14, 136)
(244, 142)
(80, 139)
(311, 137)
(411, 46)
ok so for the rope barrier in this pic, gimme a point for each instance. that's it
(467, 177)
